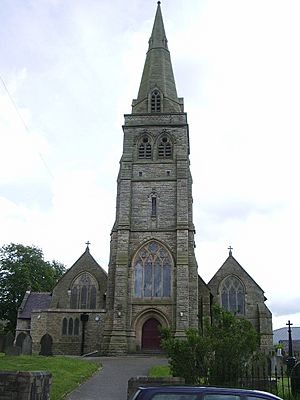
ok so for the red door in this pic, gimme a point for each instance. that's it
(151, 335)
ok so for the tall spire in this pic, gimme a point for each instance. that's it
(158, 73)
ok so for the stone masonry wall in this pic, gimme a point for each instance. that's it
(50, 322)
(25, 385)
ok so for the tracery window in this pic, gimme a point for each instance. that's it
(145, 149)
(233, 295)
(152, 271)
(84, 292)
(155, 101)
(164, 148)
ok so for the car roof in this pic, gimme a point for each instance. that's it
(208, 389)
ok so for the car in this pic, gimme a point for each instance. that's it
(200, 393)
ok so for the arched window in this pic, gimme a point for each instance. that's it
(70, 327)
(76, 327)
(233, 295)
(64, 326)
(153, 206)
(155, 102)
(164, 148)
(145, 149)
(84, 292)
(152, 271)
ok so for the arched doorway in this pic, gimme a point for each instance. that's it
(46, 345)
(20, 340)
(151, 335)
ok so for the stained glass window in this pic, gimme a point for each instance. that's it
(84, 292)
(233, 295)
(152, 272)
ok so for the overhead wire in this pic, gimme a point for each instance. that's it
(25, 125)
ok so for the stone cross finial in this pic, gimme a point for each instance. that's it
(230, 250)
(88, 243)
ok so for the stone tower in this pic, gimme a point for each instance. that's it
(152, 278)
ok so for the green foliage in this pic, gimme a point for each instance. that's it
(189, 358)
(234, 341)
(67, 373)
(23, 268)
(219, 356)
(160, 371)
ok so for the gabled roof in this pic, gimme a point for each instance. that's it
(32, 302)
(87, 260)
(231, 260)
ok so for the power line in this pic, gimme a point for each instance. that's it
(25, 125)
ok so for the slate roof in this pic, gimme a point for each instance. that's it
(281, 334)
(34, 301)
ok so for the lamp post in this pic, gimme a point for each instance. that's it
(291, 360)
(84, 319)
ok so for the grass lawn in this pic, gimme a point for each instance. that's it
(67, 373)
(160, 371)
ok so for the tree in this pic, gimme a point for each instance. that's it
(23, 268)
(218, 357)
(233, 340)
(188, 358)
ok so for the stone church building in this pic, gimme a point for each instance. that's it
(152, 278)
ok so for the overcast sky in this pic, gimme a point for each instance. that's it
(72, 68)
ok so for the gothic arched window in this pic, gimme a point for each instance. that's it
(84, 292)
(64, 326)
(233, 295)
(145, 149)
(76, 327)
(70, 327)
(164, 148)
(155, 101)
(152, 271)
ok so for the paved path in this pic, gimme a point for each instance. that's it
(111, 382)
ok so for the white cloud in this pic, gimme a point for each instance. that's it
(73, 69)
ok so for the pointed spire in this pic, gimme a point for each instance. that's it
(158, 37)
(158, 73)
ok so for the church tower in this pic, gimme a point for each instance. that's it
(152, 277)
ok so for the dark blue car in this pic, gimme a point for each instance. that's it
(200, 393)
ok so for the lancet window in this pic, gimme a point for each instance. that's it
(155, 101)
(70, 327)
(145, 148)
(152, 271)
(164, 148)
(84, 292)
(233, 295)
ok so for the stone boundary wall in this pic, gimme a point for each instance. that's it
(135, 383)
(25, 385)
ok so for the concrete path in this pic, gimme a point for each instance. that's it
(111, 382)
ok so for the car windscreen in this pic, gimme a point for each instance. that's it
(175, 396)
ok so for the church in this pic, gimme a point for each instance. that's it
(152, 279)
